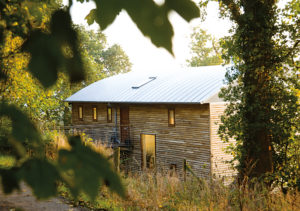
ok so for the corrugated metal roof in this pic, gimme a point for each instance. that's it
(189, 85)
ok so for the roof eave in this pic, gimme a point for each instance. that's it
(133, 102)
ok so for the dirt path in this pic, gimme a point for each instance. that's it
(24, 200)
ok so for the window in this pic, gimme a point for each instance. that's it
(142, 83)
(148, 151)
(171, 117)
(109, 114)
(80, 113)
(95, 116)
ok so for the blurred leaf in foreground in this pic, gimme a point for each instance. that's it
(89, 168)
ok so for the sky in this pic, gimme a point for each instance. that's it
(143, 55)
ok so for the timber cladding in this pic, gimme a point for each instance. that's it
(99, 130)
(188, 139)
(194, 136)
(219, 158)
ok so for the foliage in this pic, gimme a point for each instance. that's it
(263, 111)
(47, 107)
(7, 161)
(151, 19)
(154, 191)
(205, 49)
(100, 59)
(53, 49)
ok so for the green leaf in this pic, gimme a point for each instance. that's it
(88, 169)
(66, 36)
(187, 9)
(90, 18)
(41, 176)
(152, 20)
(106, 12)
(61, 26)
(46, 57)
(10, 180)
(48, 51)
(22, 128)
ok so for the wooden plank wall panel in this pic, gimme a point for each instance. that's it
(99, 130)
(189, 139)
(220, 169)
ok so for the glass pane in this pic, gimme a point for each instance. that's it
(148, 149)
(109, 114)
(94, 113)
(171, 117)
(80, 112)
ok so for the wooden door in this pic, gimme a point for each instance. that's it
(124, 121)
(148, 151)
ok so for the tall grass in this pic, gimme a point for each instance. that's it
(149, 191)
(159, 191)
(59, 141)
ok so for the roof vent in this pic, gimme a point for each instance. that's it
(143, 83)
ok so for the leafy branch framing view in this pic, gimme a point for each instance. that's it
(38, 39)
(45, 34)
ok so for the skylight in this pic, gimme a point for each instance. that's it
(148, 80)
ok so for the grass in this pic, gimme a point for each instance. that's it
(158, 191)
(149, 191)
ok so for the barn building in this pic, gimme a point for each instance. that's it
(158, 119)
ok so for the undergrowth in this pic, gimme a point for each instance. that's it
(149, 191)
(160, 191)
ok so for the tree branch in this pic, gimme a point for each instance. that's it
(291, 50)
(233, 8)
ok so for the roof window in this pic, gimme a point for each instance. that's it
(143, 83)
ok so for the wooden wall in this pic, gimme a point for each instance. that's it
(220, 169)
(189, 139)
(99, 130)
(193, 138)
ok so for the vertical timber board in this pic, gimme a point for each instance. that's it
(219, 168)
(189, 139)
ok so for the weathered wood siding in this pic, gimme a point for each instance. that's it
(220, 169)
(189, 139)
(99, 130)
(194, 137)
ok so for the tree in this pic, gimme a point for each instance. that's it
(47, 107)
(101, 60)
(115, 60)
(56, 49)
(263, 114)
(205, 49)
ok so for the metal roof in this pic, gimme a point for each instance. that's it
(189, 85)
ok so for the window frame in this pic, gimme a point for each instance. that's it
(169, 110)
(80, 118)
(109, 120)
(94, 107)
